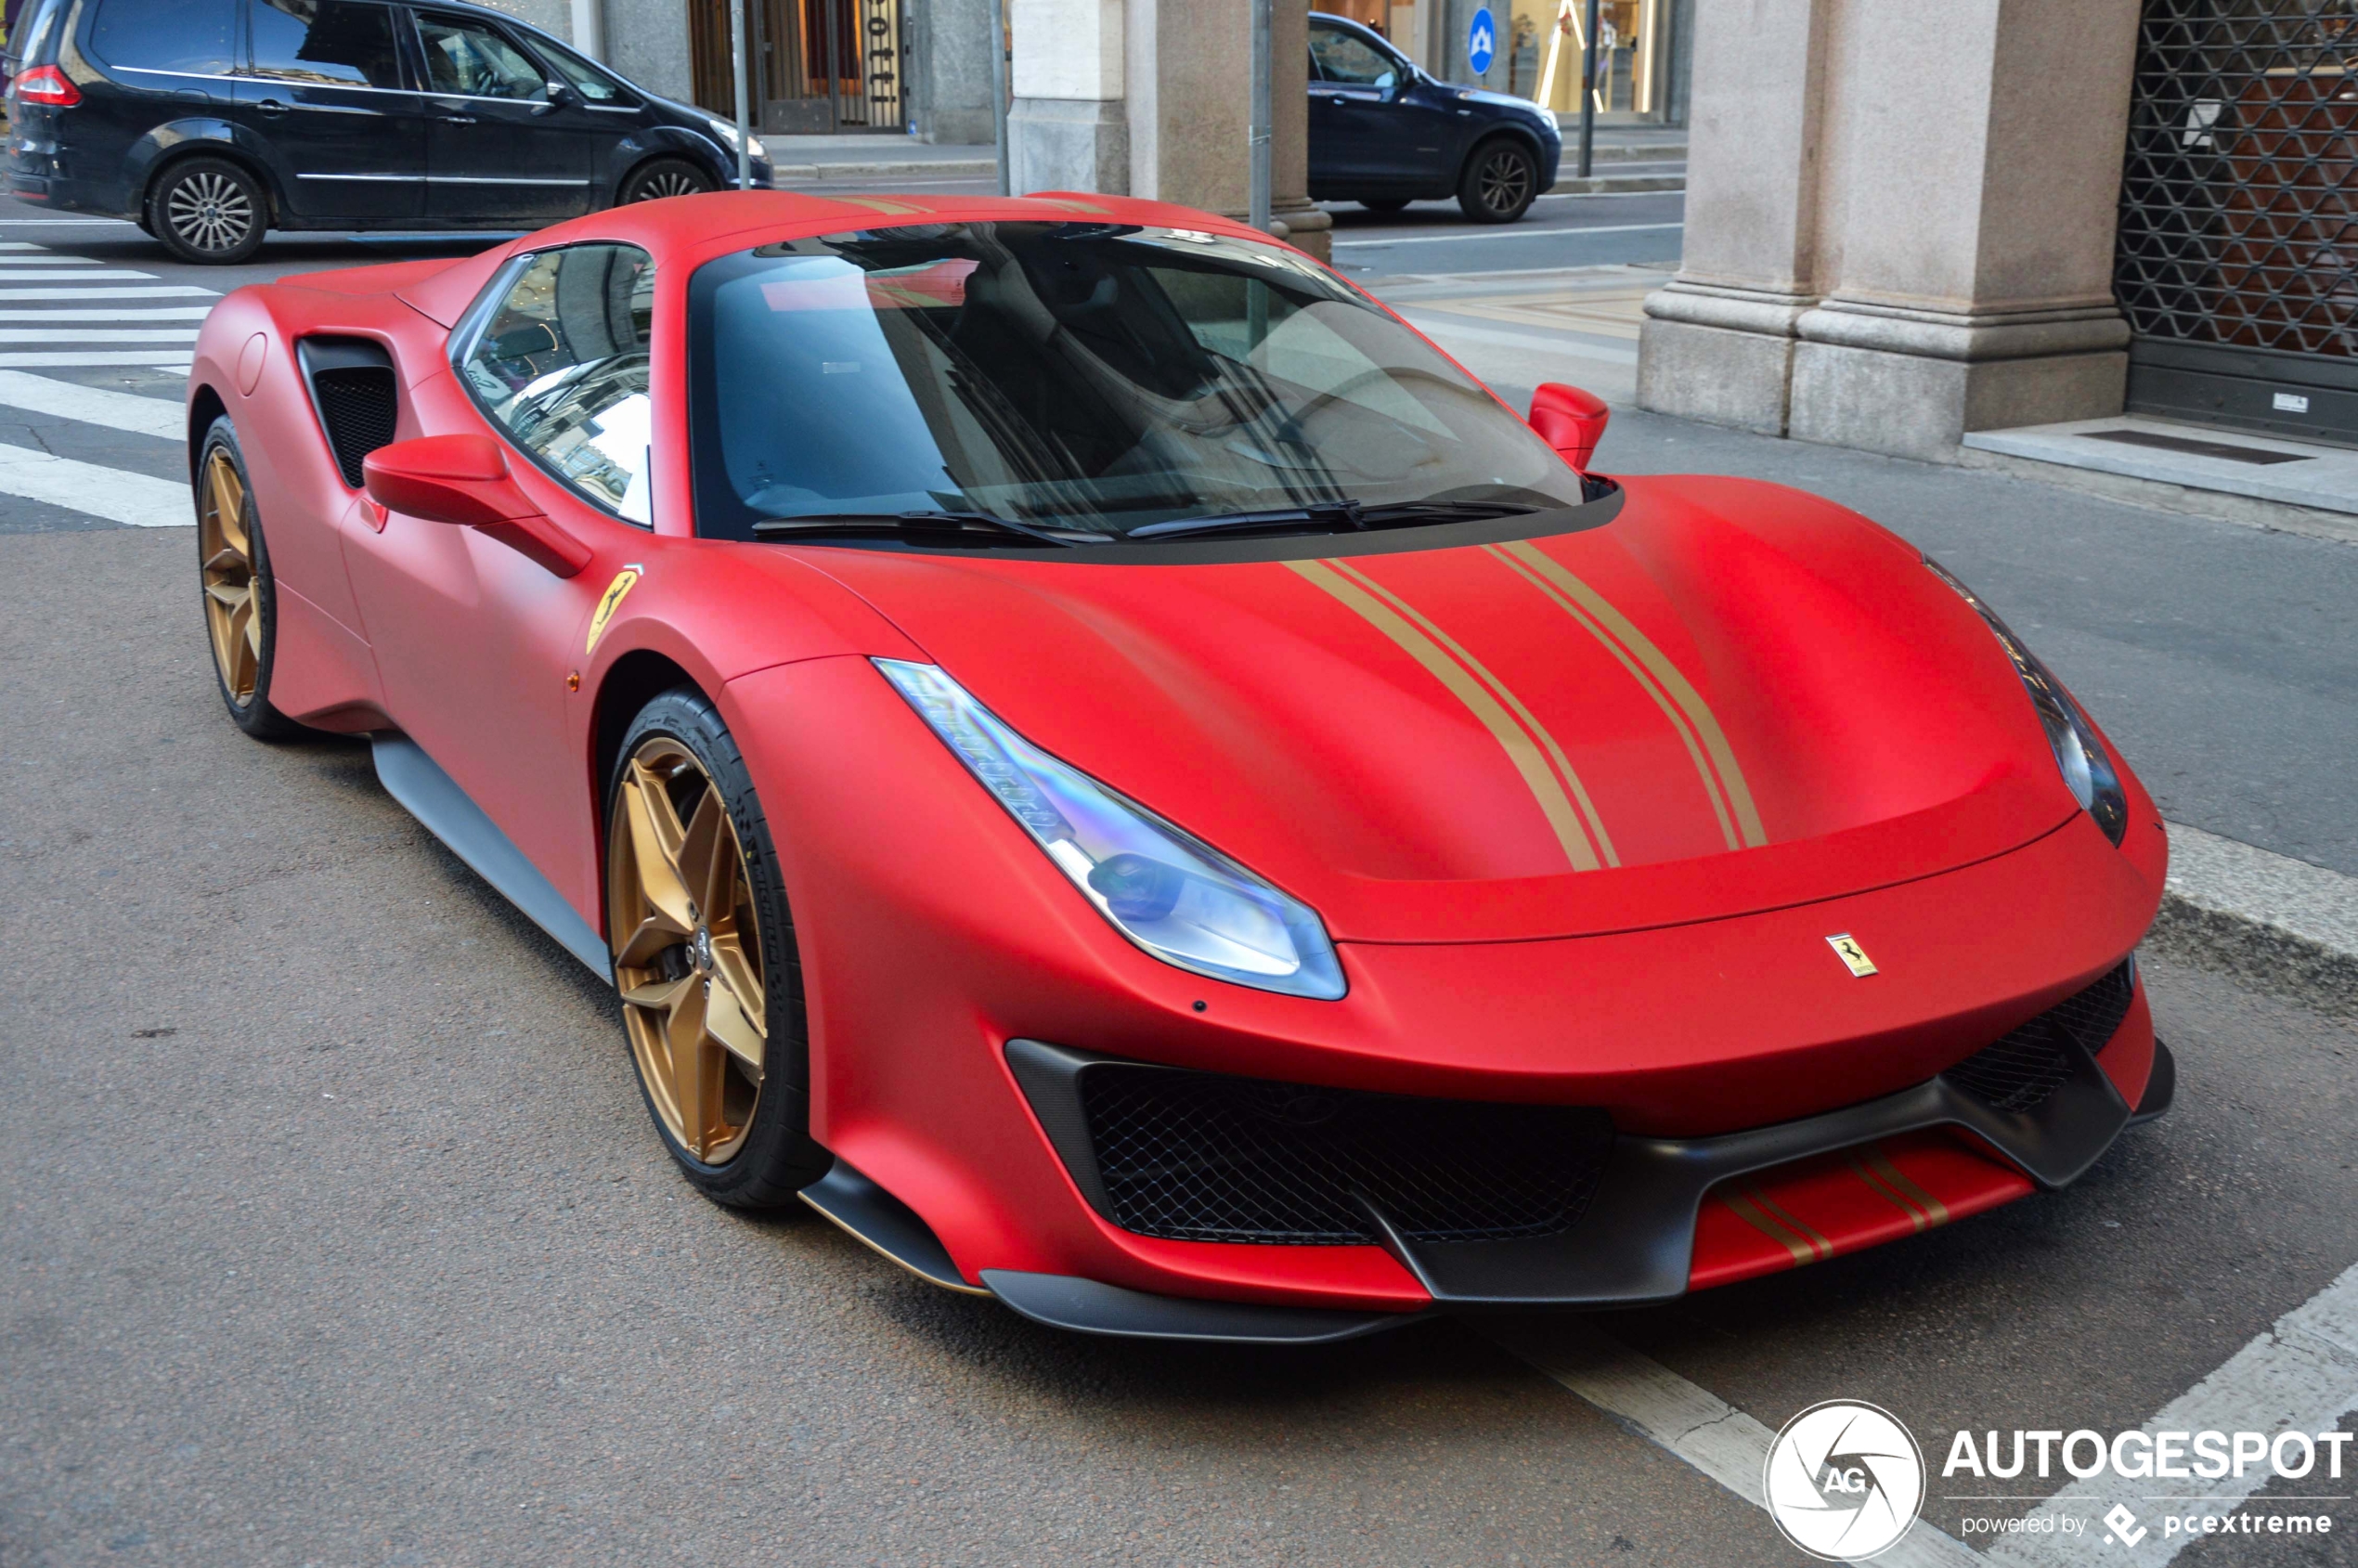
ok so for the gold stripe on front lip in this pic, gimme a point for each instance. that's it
(1917, 1217)
(1935, 1211)
(1621, 635)
(1819, 1246)
(1743, 1208)
(1481, 692)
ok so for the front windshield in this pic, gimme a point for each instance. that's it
(1092, 377)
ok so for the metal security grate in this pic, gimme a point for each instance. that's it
(1201, 1157)
(356, 405)
(2030, 1063)
(2238, 202)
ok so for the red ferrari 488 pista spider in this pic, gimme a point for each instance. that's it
(1097, 758)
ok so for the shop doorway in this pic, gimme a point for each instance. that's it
(2237, 263)
(817, 66)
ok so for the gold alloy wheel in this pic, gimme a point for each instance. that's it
(687, 947)
(232, 611)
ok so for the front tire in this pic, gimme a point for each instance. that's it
(704, 959)
(1501, 182)
(660, 178)
(240, 595)
(208, 211)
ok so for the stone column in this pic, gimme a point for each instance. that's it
(952, 69)
(1717, 342)
(1068, 128)
(1899, 221)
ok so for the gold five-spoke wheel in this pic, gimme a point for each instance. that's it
(687, 946)
(232, 609)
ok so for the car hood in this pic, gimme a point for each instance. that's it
(1729, 697)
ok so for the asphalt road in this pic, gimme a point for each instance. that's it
(335, 1232)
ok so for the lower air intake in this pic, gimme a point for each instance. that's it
(1202, 1157)
(2027, 1065)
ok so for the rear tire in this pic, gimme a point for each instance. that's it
(241, 597)
(727, 1085)
(661, 177)
(1501, 182)
(208, 211)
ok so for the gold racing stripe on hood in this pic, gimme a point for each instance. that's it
(1547, 775)
(1723, 778)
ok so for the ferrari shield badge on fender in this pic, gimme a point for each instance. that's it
(607, 604)
(1845, 946)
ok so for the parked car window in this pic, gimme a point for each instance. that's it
(336, 43)
(190, 36)
(562, 366)
(466, 57)
(1346, 56)
(592, 84)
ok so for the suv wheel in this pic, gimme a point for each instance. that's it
(665, 177)
(1501, 182)
(208, 211)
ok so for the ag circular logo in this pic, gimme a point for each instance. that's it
(1843, 1481)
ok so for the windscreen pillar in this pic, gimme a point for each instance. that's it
(1068, 128)
(1900, 222)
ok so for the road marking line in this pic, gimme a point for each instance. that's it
(39, 257)
(59, 274)
(153, 291)
(14, 223)
(158, 336)
(91, 405)
(166, 313)
(134, 499)
(2299, 1375)
(1699, 1427)
(95, 360)
(1472, 235)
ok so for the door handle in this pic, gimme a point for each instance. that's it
(271, 106)
(1339, 100)
(458, 119)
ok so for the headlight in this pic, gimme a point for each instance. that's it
(729, 139)
(1178, 898)
(2086, 768)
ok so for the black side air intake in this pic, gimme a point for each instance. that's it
(352, 388)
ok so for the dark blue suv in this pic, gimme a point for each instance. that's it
(209, 122)
(1384, 133)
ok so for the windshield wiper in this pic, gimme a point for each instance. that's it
(841, 523)
(1326, 515)
(1355, 515)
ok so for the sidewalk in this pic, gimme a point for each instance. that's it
(876, 156)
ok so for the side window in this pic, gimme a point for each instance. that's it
(594, 85)
(188, 38)
(468, 58)
(1346, 57)
(334, 43)
(562, 366)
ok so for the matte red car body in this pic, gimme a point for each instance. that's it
(1898, 786)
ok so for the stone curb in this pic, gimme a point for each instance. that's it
(2283, 924)
(1596, 185)
(947, 168)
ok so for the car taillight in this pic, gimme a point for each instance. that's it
(46, 84)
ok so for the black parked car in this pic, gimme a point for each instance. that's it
(209, 122)
(1384, 133)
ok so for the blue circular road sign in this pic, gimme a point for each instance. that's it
(1482, 42)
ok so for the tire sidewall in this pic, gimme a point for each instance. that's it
(777, 1157)
(158, 225)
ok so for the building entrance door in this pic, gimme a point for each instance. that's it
(817, 67)
(2238, 235)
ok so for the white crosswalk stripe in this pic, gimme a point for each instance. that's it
(57, 315)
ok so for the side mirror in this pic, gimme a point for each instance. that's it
(463, 480)
(1571, 420)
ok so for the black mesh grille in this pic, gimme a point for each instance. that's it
(2032, 1063)
(356, 405)
(1200, 1157)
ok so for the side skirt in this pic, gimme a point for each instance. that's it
(428, 793)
